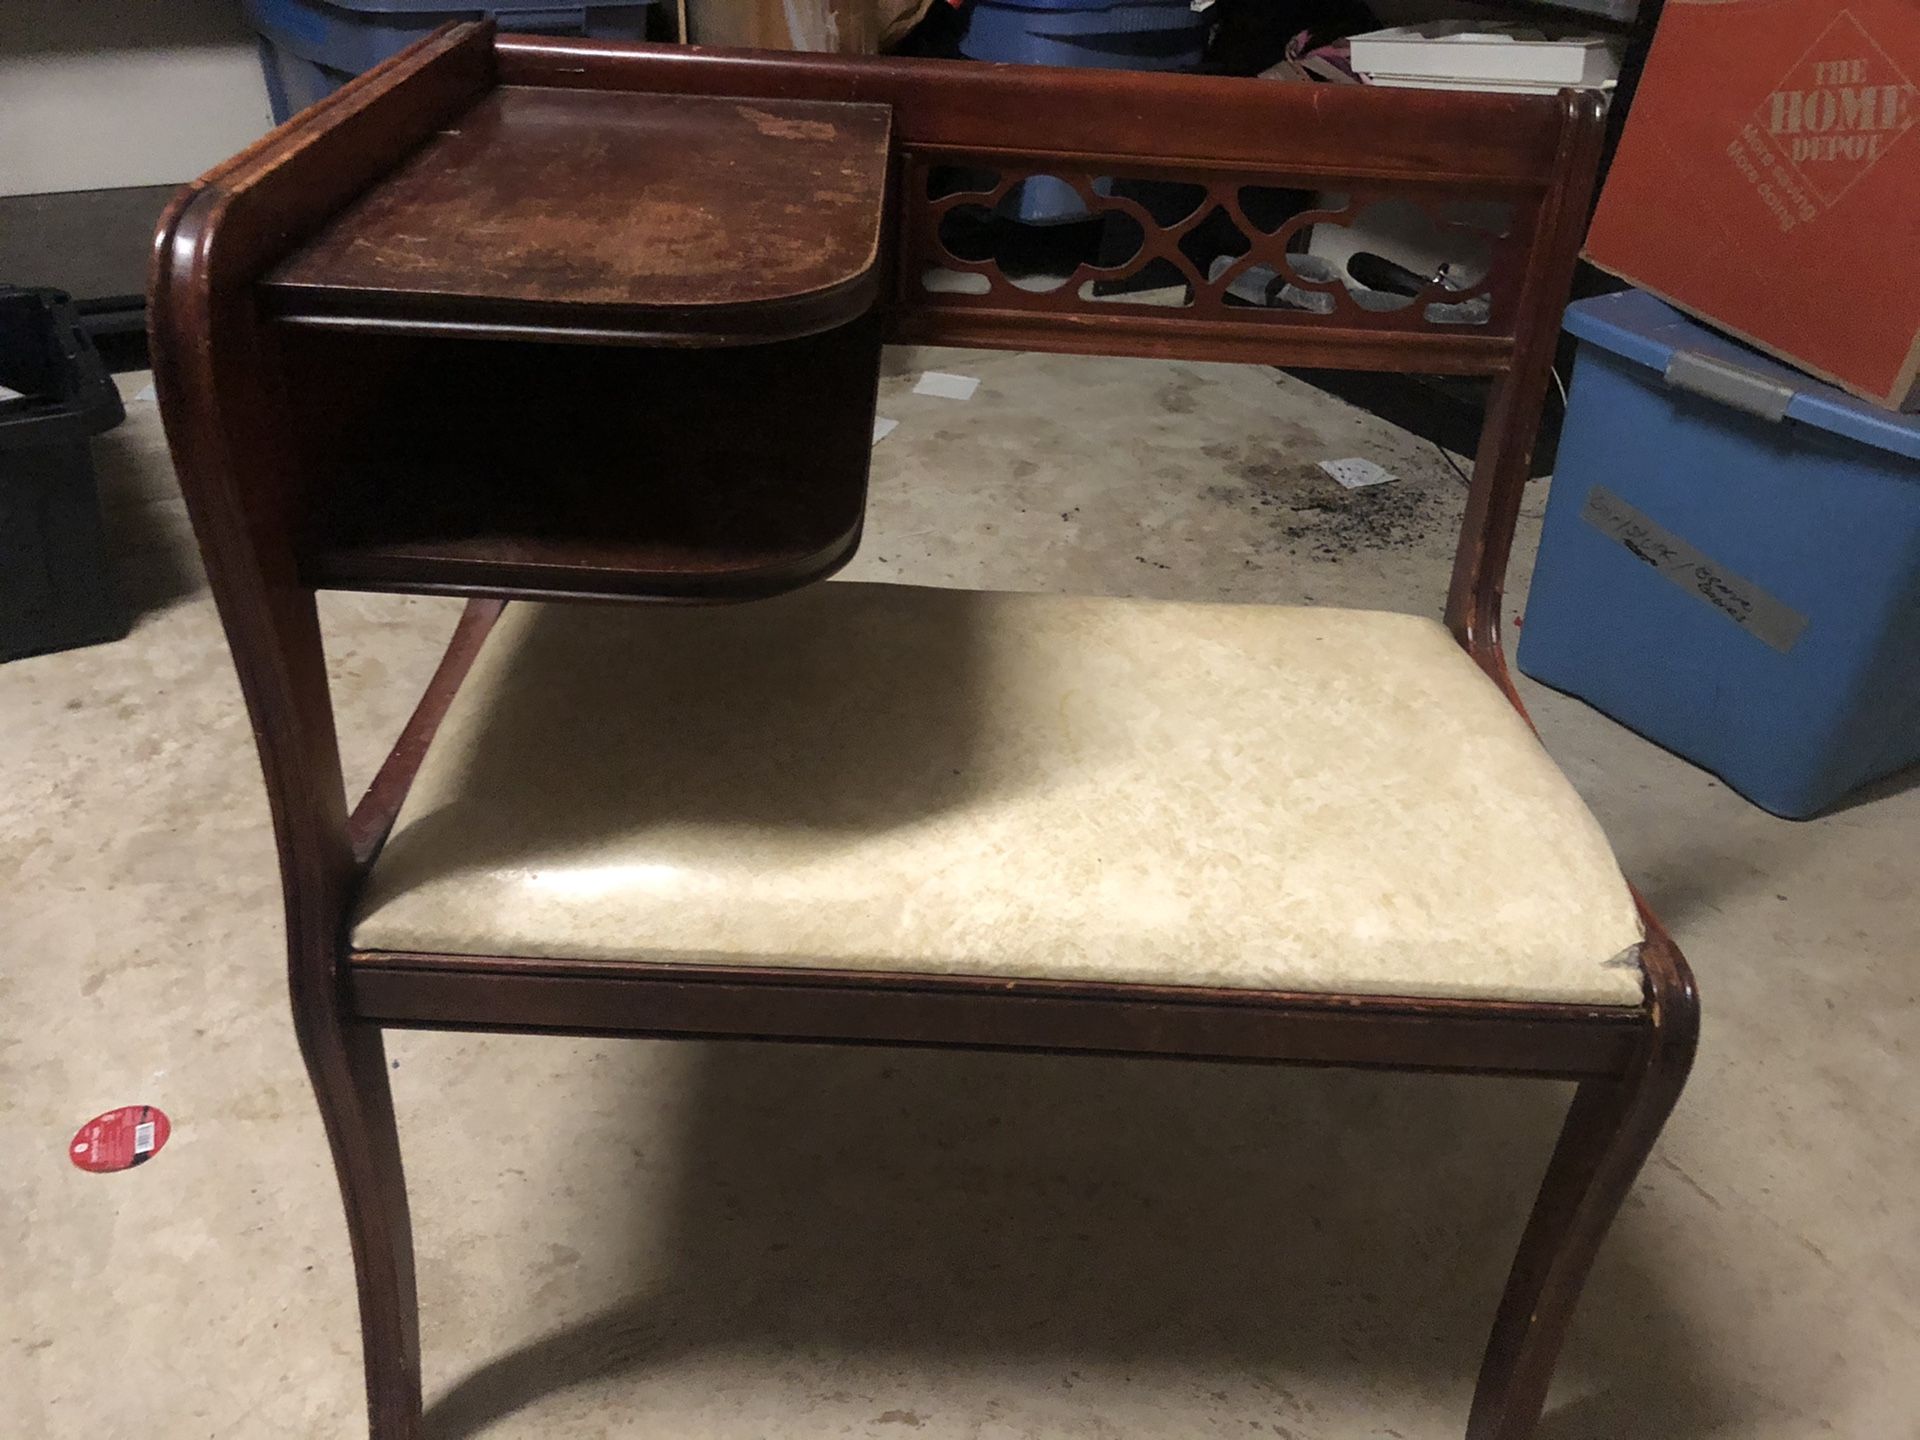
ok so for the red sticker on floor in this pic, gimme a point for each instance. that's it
(120, 1139)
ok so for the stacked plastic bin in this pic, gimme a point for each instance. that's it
(310, 48)
(56, 588)
(1147, 35)
(1731, 559)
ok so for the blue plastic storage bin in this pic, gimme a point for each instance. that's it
(1150, 35)
(310, 48)
(1144, 36)
(1731, 560)
(1058, 5)
(1147, 26)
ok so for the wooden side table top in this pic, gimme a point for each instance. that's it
(610, 215)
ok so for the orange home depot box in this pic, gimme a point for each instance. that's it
(1769, 181)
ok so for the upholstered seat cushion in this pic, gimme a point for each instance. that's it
(875, 777)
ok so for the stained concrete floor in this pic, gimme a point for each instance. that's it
(729, 1240)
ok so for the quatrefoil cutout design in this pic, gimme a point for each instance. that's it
(1064, 240)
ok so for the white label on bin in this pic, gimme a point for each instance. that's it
(1766, 617)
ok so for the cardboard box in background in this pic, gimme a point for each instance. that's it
(1769, 182)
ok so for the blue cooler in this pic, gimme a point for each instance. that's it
(1731, 559)
(310, 48)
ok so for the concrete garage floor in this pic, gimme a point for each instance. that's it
(692, 1240)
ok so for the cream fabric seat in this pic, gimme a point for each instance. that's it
(875, 777)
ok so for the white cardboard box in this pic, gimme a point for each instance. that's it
(1461, 50)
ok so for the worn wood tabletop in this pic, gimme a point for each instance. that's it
(707, 217)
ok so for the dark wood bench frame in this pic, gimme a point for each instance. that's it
(226, 415)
